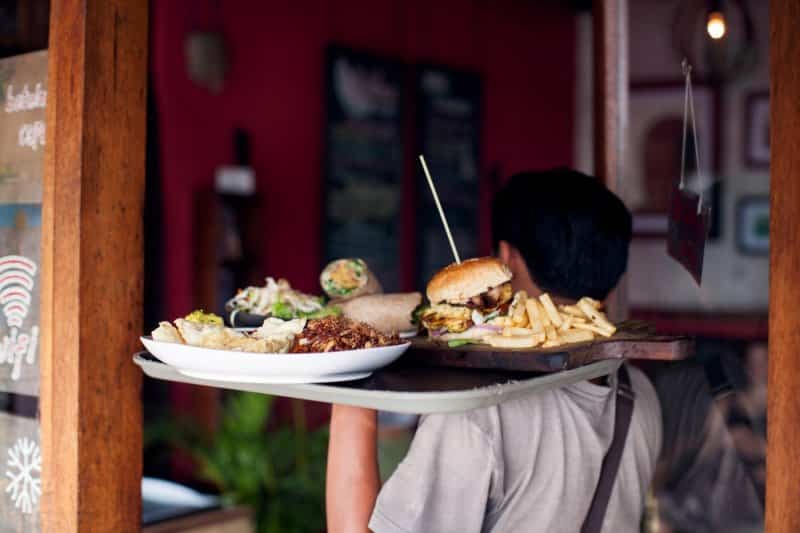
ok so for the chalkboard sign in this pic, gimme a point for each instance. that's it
(364, 161)
(448, 134)
(23, 95)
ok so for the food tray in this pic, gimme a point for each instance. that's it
(406, 388)
(633, 340)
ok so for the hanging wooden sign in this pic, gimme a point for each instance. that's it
(689, 216)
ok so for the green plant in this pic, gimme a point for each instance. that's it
(279, 473)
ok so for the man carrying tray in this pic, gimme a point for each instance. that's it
(575, 458)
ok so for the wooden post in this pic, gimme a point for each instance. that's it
(610, 84)
(92, 257)
(783, 410)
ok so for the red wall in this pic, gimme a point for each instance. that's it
(524, 50)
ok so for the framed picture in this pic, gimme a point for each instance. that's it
(653, 161)
(752, 225)
(756, 130)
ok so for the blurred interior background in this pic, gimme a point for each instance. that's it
(282, 135)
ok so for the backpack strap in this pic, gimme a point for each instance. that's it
(608, 473)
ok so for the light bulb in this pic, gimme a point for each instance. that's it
(716, 25)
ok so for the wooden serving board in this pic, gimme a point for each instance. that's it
(633, 340)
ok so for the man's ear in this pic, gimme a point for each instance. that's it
(504, 252)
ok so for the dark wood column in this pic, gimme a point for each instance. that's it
(783, 439)
(610, 86)
(92, 260)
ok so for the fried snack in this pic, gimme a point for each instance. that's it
(587, 306)
(566, 323)
(594, 328)
(517, 341)
(577, 336)
(534, 315)
(166, 332)
(335, 333)
(515, 332)
(550, 309)
(517, 311)
(572, 310)
(206, 335)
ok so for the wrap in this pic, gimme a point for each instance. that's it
(348, 278)
(388, 313)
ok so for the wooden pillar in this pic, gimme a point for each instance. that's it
(783, 410)
(610, 83)
(92, 257)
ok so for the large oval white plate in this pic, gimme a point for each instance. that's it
(248, 367)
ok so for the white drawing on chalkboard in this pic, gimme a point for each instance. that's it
(32, 135)
(16, 286)
(25, 100)
(25, 467)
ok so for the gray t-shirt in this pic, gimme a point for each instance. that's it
(527, 465)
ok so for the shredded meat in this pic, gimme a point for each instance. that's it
(491, 299)
(334, 334)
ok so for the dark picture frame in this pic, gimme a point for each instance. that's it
(752, 225)
(652, 164)
(755, 144)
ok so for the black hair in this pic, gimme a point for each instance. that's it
(571, 230)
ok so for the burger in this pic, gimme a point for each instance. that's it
(466, 298)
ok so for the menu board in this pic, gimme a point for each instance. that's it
(364, 161)
(23, 95)
(449, 126)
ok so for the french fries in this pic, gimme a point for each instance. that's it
(538, 321)
(550, 309)
(587, 306)
(515, 331)
(517, 309)
(534, 315)
(577, 336)
(515, 341)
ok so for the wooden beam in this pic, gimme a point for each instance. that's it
(610, 84)
(783, 409)
(610, 36)
(92, 257)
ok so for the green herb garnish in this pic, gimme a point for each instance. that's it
(282, 310)
(416, 314)
(455, 343)
(331, 310)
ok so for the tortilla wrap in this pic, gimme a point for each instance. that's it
(388, 313)
(360, 281)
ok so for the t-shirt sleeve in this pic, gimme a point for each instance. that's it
(445, 482)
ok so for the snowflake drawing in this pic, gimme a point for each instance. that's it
(25, 466)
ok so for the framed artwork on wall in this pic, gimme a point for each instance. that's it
(756, 130)
(653, 160)
(752, 225)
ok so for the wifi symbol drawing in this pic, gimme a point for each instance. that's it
(16, 285)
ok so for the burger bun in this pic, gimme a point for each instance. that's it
(459, 282)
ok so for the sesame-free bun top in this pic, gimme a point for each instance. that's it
(457, 283)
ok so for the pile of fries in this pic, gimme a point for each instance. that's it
(533, 322)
